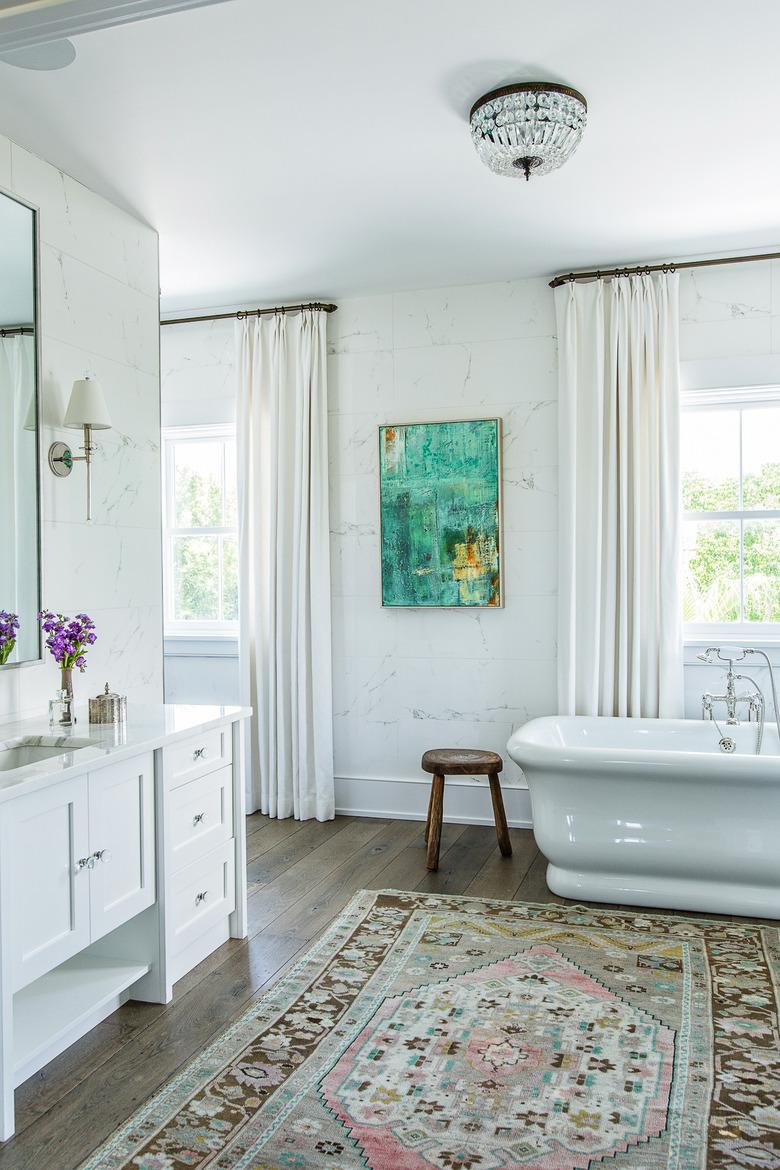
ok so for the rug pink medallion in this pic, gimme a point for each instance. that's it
(529, 1060)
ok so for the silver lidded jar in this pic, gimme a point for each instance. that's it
(109, 707)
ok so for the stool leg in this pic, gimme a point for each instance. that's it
(502, 831)
(428, 818)
(436, 816)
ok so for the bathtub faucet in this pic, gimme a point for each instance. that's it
(753, 699)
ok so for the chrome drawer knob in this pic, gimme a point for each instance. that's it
(199, 818)
(199, 753)
(201, 897)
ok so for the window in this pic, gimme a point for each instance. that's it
(730, 457)
(201, 533)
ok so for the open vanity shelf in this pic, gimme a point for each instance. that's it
(61, 1006)
(122, 865)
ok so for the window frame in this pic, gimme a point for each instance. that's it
(171, 437)
(731, 398)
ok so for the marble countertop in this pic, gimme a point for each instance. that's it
(147, 728)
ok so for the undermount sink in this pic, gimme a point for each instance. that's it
(32, 749)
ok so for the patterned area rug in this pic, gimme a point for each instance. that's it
(462, 1034)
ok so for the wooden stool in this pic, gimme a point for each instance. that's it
(462, 762)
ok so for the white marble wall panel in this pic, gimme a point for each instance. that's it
(469, 313)
(409, 679)
(729, 311)
(99, 316)
(84, 225)
(362, 325)
(198, 373)
(97, 313)
(471, 634)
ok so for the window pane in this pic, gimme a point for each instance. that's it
(709, 454)
(762, 570)
(761, 457)
(231, 483)
(711, 571)
(196, 578)
(197, 478)
(230, 578)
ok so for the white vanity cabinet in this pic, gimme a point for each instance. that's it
(122, 866)
(81, 857)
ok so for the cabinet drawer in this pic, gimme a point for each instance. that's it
(201, 816)
(197, 755)
(203, 893)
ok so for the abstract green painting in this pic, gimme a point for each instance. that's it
(440, 513)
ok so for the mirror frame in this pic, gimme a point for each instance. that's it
(36, 212)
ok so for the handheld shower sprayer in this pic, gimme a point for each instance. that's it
(748, 650)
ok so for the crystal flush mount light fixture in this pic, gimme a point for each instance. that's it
(530, 128)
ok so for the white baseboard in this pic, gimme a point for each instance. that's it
(466, 801)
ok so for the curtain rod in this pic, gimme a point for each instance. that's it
(17, 331)
(644, 269)
(280, 310)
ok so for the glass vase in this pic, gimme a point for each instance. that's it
(66, 681)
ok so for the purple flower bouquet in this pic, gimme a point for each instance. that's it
(9, 624)
(68, 641)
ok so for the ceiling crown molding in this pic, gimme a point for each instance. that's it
(24, 23)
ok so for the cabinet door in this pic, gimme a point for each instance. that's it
(121, 836)
(47, 843)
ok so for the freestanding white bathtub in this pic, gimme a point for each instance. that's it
(650, 812)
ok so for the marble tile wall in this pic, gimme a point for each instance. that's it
(407, 680)
(198, 373)
(99, 316)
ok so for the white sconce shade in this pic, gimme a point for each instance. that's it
(87, 407)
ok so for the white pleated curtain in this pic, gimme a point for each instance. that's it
(285, 632)
(619, 629)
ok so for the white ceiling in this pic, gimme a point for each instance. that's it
(319, 149)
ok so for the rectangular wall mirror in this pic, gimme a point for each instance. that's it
(20, 548)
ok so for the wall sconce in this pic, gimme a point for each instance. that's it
(87, 410)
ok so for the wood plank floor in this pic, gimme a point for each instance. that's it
(301, 875)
